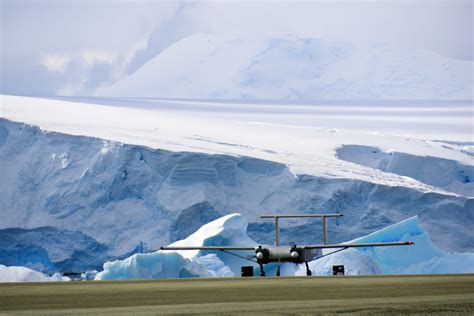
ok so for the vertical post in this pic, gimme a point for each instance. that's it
(277, 231)
(325, 232)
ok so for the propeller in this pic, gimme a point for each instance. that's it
(259, 253)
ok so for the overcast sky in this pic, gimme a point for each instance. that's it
(72, 47)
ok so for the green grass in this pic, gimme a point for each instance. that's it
(443, 294)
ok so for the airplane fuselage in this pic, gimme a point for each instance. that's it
(268, 254)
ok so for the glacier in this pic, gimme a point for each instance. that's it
(91, 186)
(102, 179)
(423, 257)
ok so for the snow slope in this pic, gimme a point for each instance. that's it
(206, 66)
(22, 274)
(138, 169)
(422, 257)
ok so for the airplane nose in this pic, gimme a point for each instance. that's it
(259, 255)
(294, 254)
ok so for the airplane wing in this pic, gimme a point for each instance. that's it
(208, 248)
(347, 245)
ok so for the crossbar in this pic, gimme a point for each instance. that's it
(276, 218)
(299, 215)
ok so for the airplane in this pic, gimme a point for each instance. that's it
(294, 254)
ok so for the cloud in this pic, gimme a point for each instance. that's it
(55, 62)
(51, 47)
(92, 58)
(82, 71)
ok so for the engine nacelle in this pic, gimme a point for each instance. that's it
(283, 254)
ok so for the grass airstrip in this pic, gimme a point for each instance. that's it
(416, 294)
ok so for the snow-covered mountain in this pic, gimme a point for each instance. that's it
(126, 173)
(206, 66)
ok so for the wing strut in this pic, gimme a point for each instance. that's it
(234, 254)
(328, 254)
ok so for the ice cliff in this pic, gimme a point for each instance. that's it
(120, 199)
(50, 250)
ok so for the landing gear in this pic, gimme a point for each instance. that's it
(308, 271)
(278, 271)
(262, 273)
